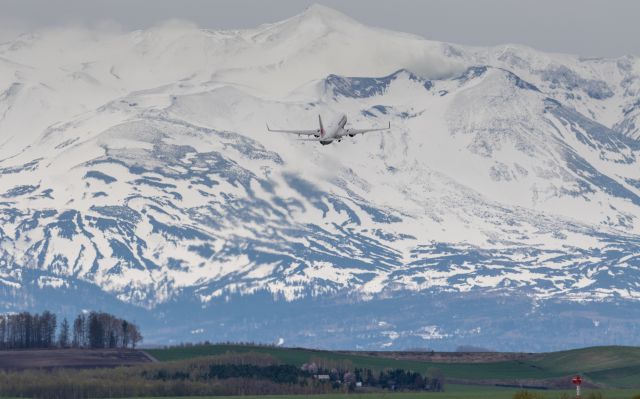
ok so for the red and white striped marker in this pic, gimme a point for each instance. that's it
(577, 381)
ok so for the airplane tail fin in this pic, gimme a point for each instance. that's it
(321, 127)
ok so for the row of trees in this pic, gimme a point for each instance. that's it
(24, 330)
(103, 330)
(93, 330)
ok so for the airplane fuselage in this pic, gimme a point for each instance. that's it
(334, 131)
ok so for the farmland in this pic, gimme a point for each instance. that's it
(454, 392)
(605, 367)
(72, 358)
(276, 373)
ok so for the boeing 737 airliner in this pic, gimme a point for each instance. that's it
(334, 132)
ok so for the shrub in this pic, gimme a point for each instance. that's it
(528, 395)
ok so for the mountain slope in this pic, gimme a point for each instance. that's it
(141, 173)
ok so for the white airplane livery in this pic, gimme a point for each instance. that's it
(334, 132)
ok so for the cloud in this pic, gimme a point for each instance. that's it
(10, 28)
(176, 24)
(431, 65)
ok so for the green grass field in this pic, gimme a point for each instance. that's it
(620, 394)
(501, 370)
(452, 392)
(609, 367)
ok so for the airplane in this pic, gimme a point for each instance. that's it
(335, 132)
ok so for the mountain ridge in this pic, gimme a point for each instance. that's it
(165, 196)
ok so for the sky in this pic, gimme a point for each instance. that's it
(596, 28)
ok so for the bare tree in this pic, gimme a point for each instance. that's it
(79, 335)
(3, 331)
(63, 337)
(45, 327)
(136, 337)
(125, 333)
(96, 331)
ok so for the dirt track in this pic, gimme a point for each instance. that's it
(76, 358)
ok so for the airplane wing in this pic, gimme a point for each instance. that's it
(302, 132)
(353, 132)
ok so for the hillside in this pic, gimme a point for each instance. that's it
(502, 209)
(604, 367)
(233, 369)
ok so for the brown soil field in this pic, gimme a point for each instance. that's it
(76, 358)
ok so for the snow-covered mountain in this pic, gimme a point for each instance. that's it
(502, 209)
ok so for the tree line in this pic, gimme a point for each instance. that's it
(103, 330)
(91, 330)
(344, 375)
